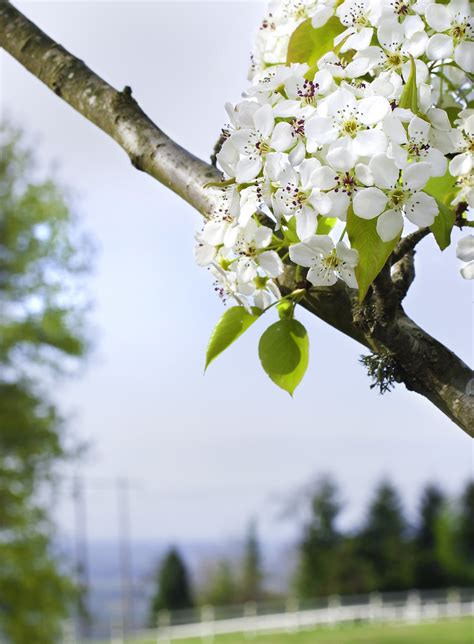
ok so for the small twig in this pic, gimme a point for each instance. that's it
(408, 243)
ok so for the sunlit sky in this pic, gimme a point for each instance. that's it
(205, 453)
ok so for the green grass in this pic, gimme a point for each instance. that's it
(450, 631)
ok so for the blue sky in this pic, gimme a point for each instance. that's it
(206, 453)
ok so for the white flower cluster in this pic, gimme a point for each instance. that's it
(309, 143)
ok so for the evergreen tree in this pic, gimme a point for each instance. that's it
(173, 586)
(252, 573)
(383, 541)
(355, 574)
(41, 321)
(318, 568)
(429, 569)
(455, 544)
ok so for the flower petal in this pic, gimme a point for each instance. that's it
(369, 203)
(394, 129)
(264, 120)
(213, 232)
(263, 236)
(271, 263)
(283, 137)
(306, 220)
(204, 254)
(321, 275)
(347, 274)
(439, 46)
(370, 142)
(389, 225)
(384, 171)
(339, 204)
(324, 178)
(465, 248)
(421, 209)
(468, 271)
(415, 175)
(320, 129)
(438, 16)
(341, 154)
(373, 109)
(464, 56)
(461, 164)
(305, 253)
(348, 255)
(248, 169)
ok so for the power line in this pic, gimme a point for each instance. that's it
(82, 555)
(125, 554)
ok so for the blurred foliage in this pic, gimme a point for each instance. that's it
(42, 309)
(386, 553)
(383, 541)
(319, 548)
(252, 574)
(221, 587)
(429, 570)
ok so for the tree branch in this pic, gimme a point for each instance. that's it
(114, 112)
(424, 365)
(403, 274)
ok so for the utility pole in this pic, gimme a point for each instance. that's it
(82, 555)
(125, 555)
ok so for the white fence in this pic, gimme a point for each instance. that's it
(411, 607)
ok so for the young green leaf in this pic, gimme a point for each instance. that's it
(443, 190)
(232, 324)
(325, 225)
(443, 225)
(285, 309)
(284, 352)
(307, 43)
(409, 95)
(373, 252)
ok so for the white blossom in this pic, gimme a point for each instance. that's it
(328, 138)
(326, 262)
(465, 252)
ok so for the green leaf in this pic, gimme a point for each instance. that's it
(284, 352)
(308, 44)
(290, 234)
(443, 225)
(409, 95)
(443, 190)
(285, 309)
(453, 114)
(373, 252)
(325, 225)
(232, 324)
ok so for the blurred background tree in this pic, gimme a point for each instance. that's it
(383, 541)
(318, 569)
(42, 308)
(221, 588)
(429, 570)
(173, 586)
(387, 552)
(252, 574)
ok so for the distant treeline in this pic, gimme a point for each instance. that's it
(386, 552)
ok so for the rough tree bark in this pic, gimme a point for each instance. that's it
(415, 358)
